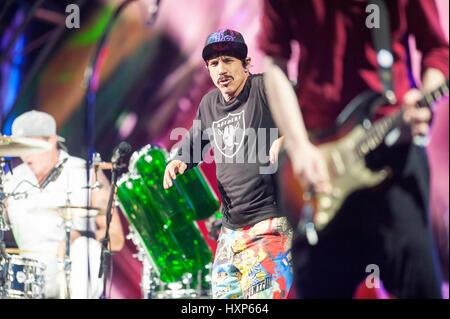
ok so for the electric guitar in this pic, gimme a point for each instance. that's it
(345, 156)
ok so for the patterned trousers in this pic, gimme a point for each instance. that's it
(254, 262)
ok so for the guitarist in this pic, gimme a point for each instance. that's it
(387, 227)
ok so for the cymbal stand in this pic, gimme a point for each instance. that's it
(149, 276)
(96, 160)
(67, 262)
(3, 225)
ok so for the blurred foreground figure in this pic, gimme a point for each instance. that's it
(383, 231)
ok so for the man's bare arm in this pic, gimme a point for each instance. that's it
(307, 160)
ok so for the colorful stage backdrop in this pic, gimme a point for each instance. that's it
(148, 80)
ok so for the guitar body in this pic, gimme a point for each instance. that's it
(348, 173)
(344, 146)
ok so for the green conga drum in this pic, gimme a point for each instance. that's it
(163, 218)
(150, 163)
(200, 193)
(161, 244)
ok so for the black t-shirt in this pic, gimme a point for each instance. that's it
(240, 133)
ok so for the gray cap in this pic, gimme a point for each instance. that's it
(35, 123)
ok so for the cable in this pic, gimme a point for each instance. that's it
(17, 186)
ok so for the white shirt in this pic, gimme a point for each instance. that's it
(35, 225)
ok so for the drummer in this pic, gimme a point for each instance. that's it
(37, 219)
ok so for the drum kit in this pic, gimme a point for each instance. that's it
(163, 226)
(20, 277)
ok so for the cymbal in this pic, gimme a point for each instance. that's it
(15, 251)
(16, 146)
(70, 212)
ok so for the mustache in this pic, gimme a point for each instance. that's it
(224, 77)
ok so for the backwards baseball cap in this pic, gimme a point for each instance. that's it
(225, 40)
(35, 123)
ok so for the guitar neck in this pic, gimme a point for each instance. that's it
(380, 129)
(433, 96)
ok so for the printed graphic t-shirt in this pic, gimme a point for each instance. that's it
(240, 133)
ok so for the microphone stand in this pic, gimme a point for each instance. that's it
(105, 241)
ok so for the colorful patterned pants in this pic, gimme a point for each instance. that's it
(254, 262)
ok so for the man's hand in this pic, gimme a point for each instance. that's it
(418, 118)
(275, 149)
(310, 167)
(172, 169)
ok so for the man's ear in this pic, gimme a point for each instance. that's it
(249, 61)
(53, 140)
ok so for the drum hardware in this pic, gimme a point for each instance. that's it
(67, 263)
(68, 213)
(3, 224)
(4, 261)
(3, 227)
(97, 185)
(149, 273)
(152, 287)
(96, 161)
(97, 164)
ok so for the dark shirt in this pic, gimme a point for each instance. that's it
(337, 59)
(240, 133)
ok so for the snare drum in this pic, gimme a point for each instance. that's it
(23, 278)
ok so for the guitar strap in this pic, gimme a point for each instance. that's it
(382, 44)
